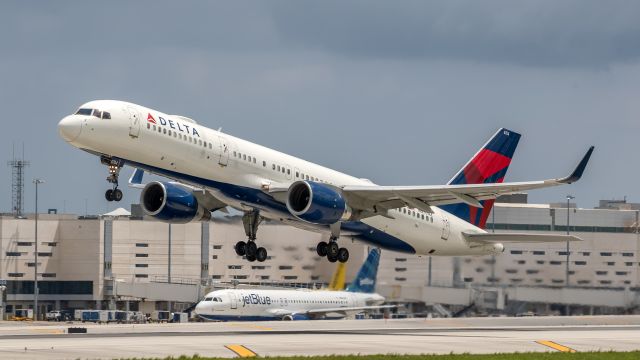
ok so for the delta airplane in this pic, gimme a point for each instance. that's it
(301, 304)
(210, 171)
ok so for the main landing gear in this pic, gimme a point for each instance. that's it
(114, 165)
(331, 249)
(251, 220)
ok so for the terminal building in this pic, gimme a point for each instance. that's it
(130, 262)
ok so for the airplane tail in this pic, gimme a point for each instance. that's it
(365, 281)
(338, 279)
(489, 165)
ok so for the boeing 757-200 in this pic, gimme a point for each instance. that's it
(210, 171)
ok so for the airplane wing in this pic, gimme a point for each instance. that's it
(505, 238)
(376, 200)
(338, 311)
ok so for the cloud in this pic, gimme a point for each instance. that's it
(526, 33)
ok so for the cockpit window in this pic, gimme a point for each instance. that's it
(208, 299)
(84, 111)
(97, 113)
(106, 115)
(217, 299)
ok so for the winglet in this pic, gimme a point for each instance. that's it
(577, 173)
(135, 181)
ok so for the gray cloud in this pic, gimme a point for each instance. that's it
(530, 33)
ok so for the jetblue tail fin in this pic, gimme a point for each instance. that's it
(489, 165)
(365, 281)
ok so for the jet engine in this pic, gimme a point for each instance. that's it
(172, 203)
(317, 203)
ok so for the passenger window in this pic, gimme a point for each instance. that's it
(278, 168)
(154, 128)
(264, 164)
(164, 131)
(288, 171)
(106, 115)
(199, 142)
(169, 132)
(297, 174)
(283, 169)
(175, 134)
(244, 156)
(205, 144)
(249, 159)
(273, 166)
(234, 154)
(254, 160)
(209, 146)
(148, 126)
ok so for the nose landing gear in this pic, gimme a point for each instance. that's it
(114, 165)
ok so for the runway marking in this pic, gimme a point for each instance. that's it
(48, 331)
(555, 346)
(241, 351)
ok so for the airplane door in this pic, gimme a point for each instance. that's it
(134, 122)
(234, 300)
(446, 227)
(224, 151)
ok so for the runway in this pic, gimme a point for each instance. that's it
(410, 336)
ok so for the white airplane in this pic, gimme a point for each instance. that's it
(256, 304)
(212, 170)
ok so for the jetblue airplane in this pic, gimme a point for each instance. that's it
(300, 304)
(210, 171)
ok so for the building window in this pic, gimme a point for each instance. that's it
(401, 269)
(601, 272)
(258, 267)
(586, 253)
(142, 245)
(142, 276)
(532, 271)
(555, 262)
(234, 267)
(401, 279)
(264, 277)
(516, 252)
(285, 267)
(511, 271)
(521, 262)
(540, 262)
(48, 275)
(290, 277)
(217, 247)
(628, 254)
(621, 273)
(142, 255)
(468, 279)
(610, 263)
(538, 252)
(24, 243)
(52, 243)
(580, 263)
(17, 275)
(216, 277)
(628, 263)
(605, 254)
(240, 277)
(13, 253)
(142, 265)
(214, 257)
(45, 254)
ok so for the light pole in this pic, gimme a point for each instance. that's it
(35, 265)
(566, 281)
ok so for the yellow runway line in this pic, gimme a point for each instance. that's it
(555, 346)
(48, 331)
(241, 351)
(258, 327)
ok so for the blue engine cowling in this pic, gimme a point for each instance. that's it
(295, 317)
(317, 203)
(172, 203)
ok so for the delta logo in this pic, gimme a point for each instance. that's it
(175, 125)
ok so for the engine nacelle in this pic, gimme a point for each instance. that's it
(317, 203)
(172, 203)
(295, 317)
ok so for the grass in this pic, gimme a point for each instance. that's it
(633, 355)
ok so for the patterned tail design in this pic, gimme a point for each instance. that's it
(365, 281)
(489, 165)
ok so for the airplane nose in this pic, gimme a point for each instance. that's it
(69, 128)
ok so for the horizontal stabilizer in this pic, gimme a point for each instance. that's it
(518, 238)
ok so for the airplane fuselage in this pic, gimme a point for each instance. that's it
(255, 304)
(241, 173)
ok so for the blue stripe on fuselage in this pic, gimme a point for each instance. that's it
(258, 198)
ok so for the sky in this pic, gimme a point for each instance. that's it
(399, 92)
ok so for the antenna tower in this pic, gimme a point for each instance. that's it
(17, 183)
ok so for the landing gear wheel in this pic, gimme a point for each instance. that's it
(241, 247)
(261, 254)
(332, 258)
(250, 250)
(333, 249)
(322, 248)
(251, 258)
(117, 194)
(109, 195)
(343, 255)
